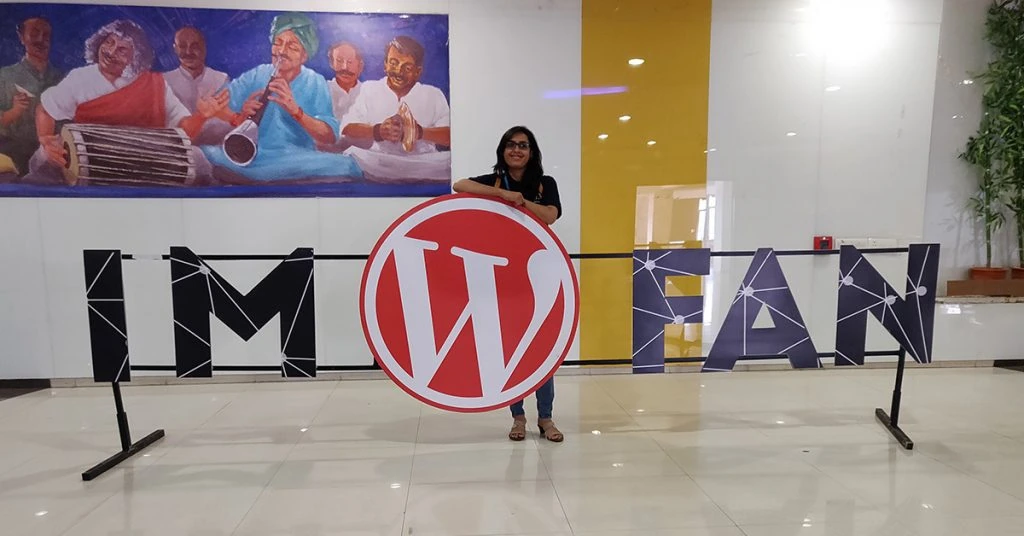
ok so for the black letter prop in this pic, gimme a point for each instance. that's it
(910, 319)
(764, 286)
(108, 326)
(197, 290)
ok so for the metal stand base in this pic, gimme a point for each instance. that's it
(128, 449)
(891, 421)
(896, 432)
(112, 461)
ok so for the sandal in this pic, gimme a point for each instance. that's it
(518, 432)
(550, 432)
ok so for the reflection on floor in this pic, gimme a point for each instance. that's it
(756, 454)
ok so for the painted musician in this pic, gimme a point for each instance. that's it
(117, 87)
(299, 113)
(406, 121)
(20, 87)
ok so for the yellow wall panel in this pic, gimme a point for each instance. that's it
(667, 100)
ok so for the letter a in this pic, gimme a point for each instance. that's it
(764, 286)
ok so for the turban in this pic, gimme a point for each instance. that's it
(303, 27)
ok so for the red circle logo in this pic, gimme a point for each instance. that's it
(469, 304)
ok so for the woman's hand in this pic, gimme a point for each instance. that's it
(515, 198)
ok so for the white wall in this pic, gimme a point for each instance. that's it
(962, 53)
(857, 166)
(498, 79)
(876, 158)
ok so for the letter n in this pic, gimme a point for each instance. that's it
(764, 286)
(909, 319)
(108, 325)
(653, 310)
(197, 290)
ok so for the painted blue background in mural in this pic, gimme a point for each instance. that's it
(235, 40)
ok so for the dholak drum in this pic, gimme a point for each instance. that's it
(128, 156)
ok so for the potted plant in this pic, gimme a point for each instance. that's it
(1015, 202)
(1004, 102)
(997, 148)
(986, 203)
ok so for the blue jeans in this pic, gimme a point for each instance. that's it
(545, 401)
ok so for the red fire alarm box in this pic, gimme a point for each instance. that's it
(823, 242)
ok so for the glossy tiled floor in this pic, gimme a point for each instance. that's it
(756, 454)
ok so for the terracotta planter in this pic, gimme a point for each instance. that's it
(1017, 273)
(981, 272)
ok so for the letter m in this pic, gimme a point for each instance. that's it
(197, 290)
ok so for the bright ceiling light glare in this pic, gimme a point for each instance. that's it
(625, 118)
(790, 134)
(403, 16)
(636, 62)
(651, 142)
(602, 136)
(968, 82)
(832, 89)
(848, 32)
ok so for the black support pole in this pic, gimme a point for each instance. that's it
(891, 421)
(127, 448)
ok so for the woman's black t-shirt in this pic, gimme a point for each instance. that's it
(546, 195)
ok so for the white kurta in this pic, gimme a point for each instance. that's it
(189, 90)
(377, 102)
(341, 99)
(84, 84)
(388, 160)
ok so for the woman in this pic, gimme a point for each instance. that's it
(519, 179)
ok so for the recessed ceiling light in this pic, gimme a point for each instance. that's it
(636, 62)
(791, 134)
(832, 88)
(651, 142)
(968, 82)
(403, 16)
(41, 513)
(602, 136)
(625, 118)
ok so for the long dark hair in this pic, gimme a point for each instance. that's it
(534, 169)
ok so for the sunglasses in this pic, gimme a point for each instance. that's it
(521, 145)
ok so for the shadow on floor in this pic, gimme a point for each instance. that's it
(1011, 364)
